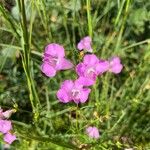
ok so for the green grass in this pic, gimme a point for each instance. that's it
(118, 104)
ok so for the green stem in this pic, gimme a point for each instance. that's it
(10, 20)
(88, 5)
(122, 26)
(137, 44)
(34, 99)
(57, 141)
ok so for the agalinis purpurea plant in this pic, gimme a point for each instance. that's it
(78, 91)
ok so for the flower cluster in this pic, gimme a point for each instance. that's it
(87, 71)
(6, 126)
(54, 60)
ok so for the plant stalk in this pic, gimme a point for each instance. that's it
(33, 96)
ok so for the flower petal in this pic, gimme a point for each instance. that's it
(85, 43)
(9, 138)
(48, 70)
(67, 85)
(84, 95)
(87, 39)
(115, 65)
(5, 126)
(8, 113)
(85, 81)
(102, 66)
(55, 50)
(65, 64)
(92, 132)
(80, 46)
(63, 96)
(115, 60)
(80, 69)
(116, 68)
(90, 59)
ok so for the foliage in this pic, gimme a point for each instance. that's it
(118, 105)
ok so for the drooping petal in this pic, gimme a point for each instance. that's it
(115, 65)
(5, 126)
(67, 85)
(63, 96)
(90, 59)
(116, 68)
(85, 81)
(55, 50)
(9, 138)
(48, 70)
(84, 95)
(65, 64)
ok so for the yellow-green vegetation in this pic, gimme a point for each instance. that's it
(119, 105)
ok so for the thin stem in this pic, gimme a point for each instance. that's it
(137, 44)
(34, 99)
(10, 20)
(122, 26)
(88, 5)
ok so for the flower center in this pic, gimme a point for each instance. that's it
(75, 93)
(53, 61)
(91, 73)
(90, 70)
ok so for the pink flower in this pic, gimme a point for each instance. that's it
(90, 68)
(5, 126)
(92, 132)
(9, 138)
(72, 90)
(6, 114)
(85, 44)
(115, 65)
(54, 60)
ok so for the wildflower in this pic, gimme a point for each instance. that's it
(92, 132)
(72, 90)
(6, 114)
(9, 138)
(5, 126)
(90, 68)
(54, 60)
(85, 44)
(115, 65)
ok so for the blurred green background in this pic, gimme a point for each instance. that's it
(119, 105)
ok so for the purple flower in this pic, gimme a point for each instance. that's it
(92, 132)
(5, 126)
(6, 114)
(72, 90)
(115, 65)
(90, 68)
(85, 44)
(9, 138)
(54, 60)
